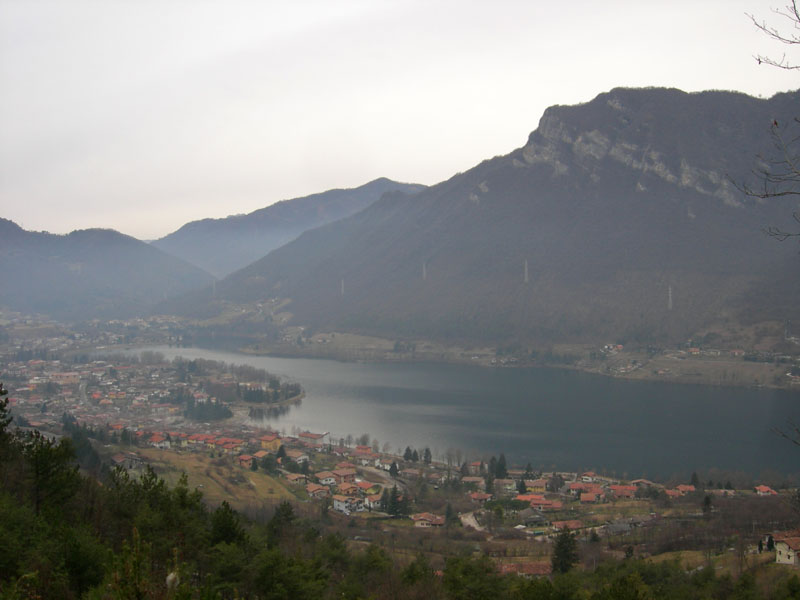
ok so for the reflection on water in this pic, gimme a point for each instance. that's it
(548, 417)
(261, 416)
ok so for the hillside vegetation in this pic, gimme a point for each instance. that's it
(617, 220)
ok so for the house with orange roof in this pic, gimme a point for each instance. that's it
(480, 497)
(347, 504)
(685, 488)
(326, 478)
(159, 441)
(307, 436)
(765, 490)
(373, 501)
(367, 487)
(270, 441)
(536, 486)
(623, 491)
(348, 489)
(427, 519)
(545, 504)
(317, 491)
(787, 547)
(344, 475)
(474, 468)
(297, 456)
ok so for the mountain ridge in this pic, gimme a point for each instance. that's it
(615, 205)
(88, 273)
(223, 245)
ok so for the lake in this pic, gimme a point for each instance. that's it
(548, 417)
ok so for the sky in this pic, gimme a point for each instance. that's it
(142, 116)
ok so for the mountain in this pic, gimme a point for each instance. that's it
(92, 273)
(220, 246)
(622, 212)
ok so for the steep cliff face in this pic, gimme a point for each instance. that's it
(619, 218)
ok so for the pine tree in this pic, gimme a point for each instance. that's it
(565, 552)
(427, 458)
(450, 516)
(393, 503)
(501, 472)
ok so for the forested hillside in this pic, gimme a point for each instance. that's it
(65, 535)
(618, 219)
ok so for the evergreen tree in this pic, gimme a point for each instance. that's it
(281, 454)
(52, 472)
(492, 469)
(450, 516)
(427, 458)
(528, 472)
(407, 454)
(225, 526)
(501, 472)
(565, 552)
(269, 464)
(695, 480)
(393, 502)
(415, 456)
(393, 471)
(521, 487)
(404, 505)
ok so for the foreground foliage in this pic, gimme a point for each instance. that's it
(64, 535)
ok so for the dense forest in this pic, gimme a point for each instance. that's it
(64, 534)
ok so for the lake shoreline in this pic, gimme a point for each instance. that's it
(672, 367)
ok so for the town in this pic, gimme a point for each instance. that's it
(140, 412)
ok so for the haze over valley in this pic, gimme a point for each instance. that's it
(399, 300)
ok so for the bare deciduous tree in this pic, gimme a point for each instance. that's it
(779, 175)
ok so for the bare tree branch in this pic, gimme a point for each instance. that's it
(792, 14)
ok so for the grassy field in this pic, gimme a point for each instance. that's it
(218, 478)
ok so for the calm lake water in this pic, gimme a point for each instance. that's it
(548, 417)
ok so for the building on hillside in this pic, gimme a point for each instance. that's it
(427, 520)
(787, 548)
(317, 491)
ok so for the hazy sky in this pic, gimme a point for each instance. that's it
(144, 115)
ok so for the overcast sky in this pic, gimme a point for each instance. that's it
(141, 116)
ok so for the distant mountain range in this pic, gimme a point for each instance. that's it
(617, 220)
(92, 273)
(221, 246)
